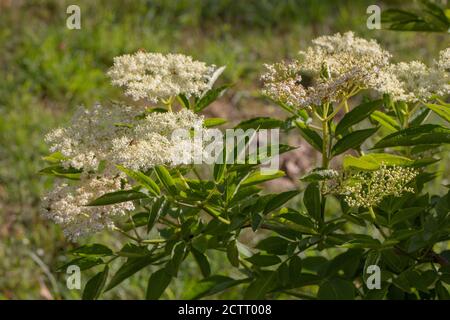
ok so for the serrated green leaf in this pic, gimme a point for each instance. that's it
(166, 179)
(142, 179)
(312, 201)
(257, 177)
(279, 200)
(356, 115)
(336, 289)
(157, 284)
(233, 253)
(420, 135)
(312, 137)
(352, 140)
(94, 249)
(202, 262)
(213, 122)
(260, 123)
(117, 197)
(95, 285)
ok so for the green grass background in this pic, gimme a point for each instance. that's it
(46, 70)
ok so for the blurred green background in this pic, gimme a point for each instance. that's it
(46, 70)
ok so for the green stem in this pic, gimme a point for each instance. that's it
(372, 214)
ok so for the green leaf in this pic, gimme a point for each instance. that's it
(157, 284)
(130, 250)
(257, 177)
(142, 179)
(84, 263)
(214, 122)
(184, 101)
(212, 285)
(312, 137)
(233, 253)
(260, 123)
(352, 141)
(166, 179)
(405, 214)
(318, 175)
(202, 262)
(157, 209)
(129, 268)
(279, 200)
(441, 110)
(95, 285)
(178, 255)
(295, 267)
(220, 166)
(441, 291)
(261, 286)
(419, 117)
(336, 289)
(117, 197)
(297, 221)
(263, 260)
(311, 199)
(215, 213)
(274, 245)
(420, 135)
(61, 172)
(209, 97)
(94, 249)
(385, 120)
(356, 115)
(373, 161)
(55, 157)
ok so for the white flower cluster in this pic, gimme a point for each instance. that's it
(444, 60)
(67, 206)
(154, 76)
(414, 81)
(344, 53)
(367, 188)
(123, 135)
(103, 136)
(341, 65)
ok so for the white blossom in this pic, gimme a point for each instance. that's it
(368, 188)
(154, 76)
(444, 60)
(123, 135)
(67, 206)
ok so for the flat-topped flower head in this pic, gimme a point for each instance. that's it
(367, 188)
(344, 53)
(122, 135)
(338, 65)
(155, 76)
(444, 60)
(414, 81)
(66, 205)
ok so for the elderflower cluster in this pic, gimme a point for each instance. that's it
(123, 135)
(414, 81)
(344, 53)
(367, 188)
(66, 205)
(339, 66)
(155, 77)
(444, 60)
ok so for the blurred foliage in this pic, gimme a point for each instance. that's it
(47, 70)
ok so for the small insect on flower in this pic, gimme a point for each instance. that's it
(368, 188)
